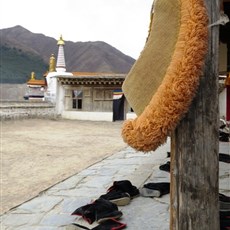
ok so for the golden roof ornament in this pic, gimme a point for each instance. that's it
(32, 76)
(52, 64)
(61, 41)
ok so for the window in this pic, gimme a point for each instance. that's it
(77, 99)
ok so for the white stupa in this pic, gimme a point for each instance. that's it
(60, 70)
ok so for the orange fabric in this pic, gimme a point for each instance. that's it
(178, 88)
(227, 80)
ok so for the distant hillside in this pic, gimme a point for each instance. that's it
(16, 65)
(23, 52)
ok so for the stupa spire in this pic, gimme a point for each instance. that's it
(61, 67)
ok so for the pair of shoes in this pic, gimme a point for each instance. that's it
(155, 189)
(224, 220)
(224, 202)
(121, 192)
(165, 167)
(111, 224)
(100, 210)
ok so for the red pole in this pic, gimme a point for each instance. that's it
(228, 103)
(227, 83)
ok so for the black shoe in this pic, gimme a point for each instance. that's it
(81, 210)
(121, 192)
(224, 202)
(224, 220)
(224, 215)
(155, 189)
(224, 157)
(223, 136)
(165, 167)
(100, 210)
(125, 186)
(117, 197)
(110, 224)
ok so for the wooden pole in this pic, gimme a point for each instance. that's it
(195, 148)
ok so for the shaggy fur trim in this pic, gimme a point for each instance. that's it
(178, 88)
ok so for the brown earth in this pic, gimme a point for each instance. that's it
(36, 153)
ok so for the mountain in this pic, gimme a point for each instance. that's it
(23, 52)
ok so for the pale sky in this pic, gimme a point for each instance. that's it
(123, 24)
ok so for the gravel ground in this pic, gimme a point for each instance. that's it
(36, 153)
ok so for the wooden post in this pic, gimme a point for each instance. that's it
(195, 148)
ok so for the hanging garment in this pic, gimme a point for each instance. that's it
(172, 82)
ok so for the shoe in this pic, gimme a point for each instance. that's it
(165, 167)
(223, 136)
(81, 210)
(100, 210)
(224, 215)
(110, 224)
(224, 157)
(168, 154)
(224, 220)
(155, 189)
(80, 224)
(117, 197)
(121, 192)
(224, 202)
(225, 225)
(147, 192)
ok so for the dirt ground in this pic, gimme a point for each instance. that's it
(36, 153)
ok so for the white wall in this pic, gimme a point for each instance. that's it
(60, 99)
(223, 103)
(90, 116)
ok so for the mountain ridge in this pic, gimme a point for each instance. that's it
(19, 44)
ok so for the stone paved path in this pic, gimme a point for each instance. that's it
(52, 208)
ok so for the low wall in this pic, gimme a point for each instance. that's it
(92, 116)
(26, 109)
(31, 109)
(13, 92)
